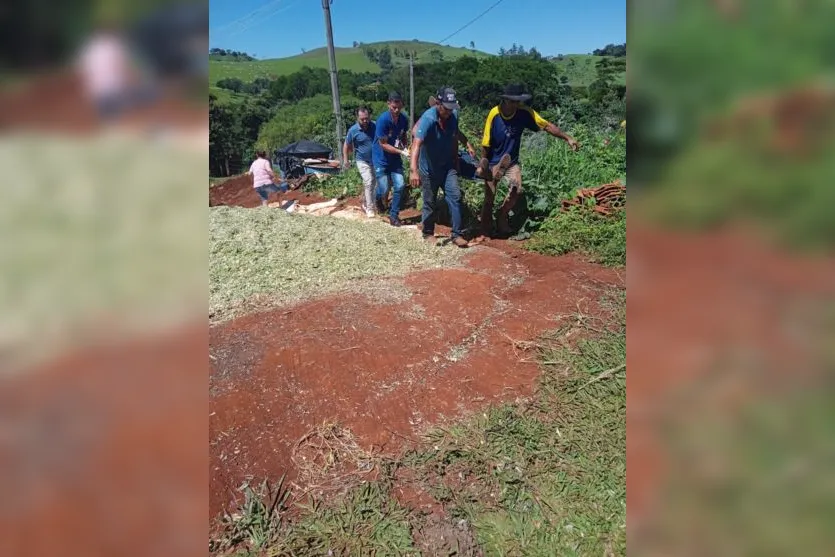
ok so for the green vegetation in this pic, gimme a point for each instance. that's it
(250, 250)
(580, 70)
(543, 477)
(221, 54)
(346, 59)
(311, 118)
(600, 237)
(354, 59)
(700, 179)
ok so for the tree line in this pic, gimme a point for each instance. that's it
(617, 50)
(231, 55)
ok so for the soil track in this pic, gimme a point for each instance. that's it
(385, 369)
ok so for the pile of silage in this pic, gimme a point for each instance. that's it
(261, 258)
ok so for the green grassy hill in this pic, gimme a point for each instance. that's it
(225, 96)
(347, 58)
(581, 70)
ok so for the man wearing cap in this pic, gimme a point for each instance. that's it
(434, 159)
(388, 147)
(467, 165)
(502, 137)
(359, 139)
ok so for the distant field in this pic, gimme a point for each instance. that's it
(225, 96)
(346, 59)
(581, 70)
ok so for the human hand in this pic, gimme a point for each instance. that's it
(573, 144)
(414, 179)
(471, 151)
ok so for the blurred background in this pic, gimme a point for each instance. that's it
(731, 278)
(103, 287)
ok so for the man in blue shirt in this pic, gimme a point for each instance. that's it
(389, 145)
(359, 139)
(434, 161)
(468, 167)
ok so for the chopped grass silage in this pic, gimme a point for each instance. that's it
(103, 239)
(261, 258)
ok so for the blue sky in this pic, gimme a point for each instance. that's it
(278, 28)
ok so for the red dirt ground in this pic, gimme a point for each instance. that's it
(104, 451)
(382, 369)
(56, 103)
(238, 192)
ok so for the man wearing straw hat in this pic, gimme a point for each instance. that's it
(502, 138)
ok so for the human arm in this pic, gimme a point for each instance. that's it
(346, 151)
(554, 130)
(462, 139)
(384, 144)
(381, 136)
(421, 131)
(414, 177)
(540, 123)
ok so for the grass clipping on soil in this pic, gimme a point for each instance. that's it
(260, 258)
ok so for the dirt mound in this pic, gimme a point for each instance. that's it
(384, 369)
(238, 192)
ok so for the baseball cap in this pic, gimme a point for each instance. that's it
(446, 96)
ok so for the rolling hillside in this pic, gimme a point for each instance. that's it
(347, 58)
(580, 69)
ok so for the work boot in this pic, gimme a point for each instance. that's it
(460, 242)
(499, 170)
(395, 222)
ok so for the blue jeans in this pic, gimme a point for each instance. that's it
(430, 184)
(265, 191)
(395, 178)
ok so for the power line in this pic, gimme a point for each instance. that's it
(247, 25)
(253, 15)
(476, 18)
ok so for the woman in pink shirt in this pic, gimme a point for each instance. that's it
(263, 178)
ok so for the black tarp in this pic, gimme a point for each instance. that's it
(305, 149)
(288, 157)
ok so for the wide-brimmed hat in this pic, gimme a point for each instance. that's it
(516, 92)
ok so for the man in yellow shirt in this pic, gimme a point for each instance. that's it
(500, 144)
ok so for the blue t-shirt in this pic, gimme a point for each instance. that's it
(504, 135)
(387, 128)
(439, 139)
(361, 140)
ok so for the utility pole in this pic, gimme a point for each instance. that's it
(412, 89)
(337, 110)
